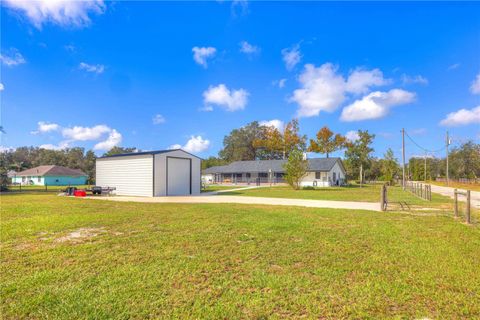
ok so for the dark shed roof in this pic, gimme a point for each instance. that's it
(314, 164)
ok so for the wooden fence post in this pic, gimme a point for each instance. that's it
(455, 204)
(467, 210)
(383, 198)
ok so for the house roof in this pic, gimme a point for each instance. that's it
(11, 173)
(52, 170)
(146, 153)
(314, 164)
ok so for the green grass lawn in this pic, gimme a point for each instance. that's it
(231, 261)
(368, 193)
(35, 188)
(216, 187)
(453, 184)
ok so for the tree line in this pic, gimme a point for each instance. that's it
(259, 142)
(23, 158)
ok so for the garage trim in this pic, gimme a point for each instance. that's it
(166, 172)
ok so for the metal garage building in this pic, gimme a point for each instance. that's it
(150, 174)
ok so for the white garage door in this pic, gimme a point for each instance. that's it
(178, 176)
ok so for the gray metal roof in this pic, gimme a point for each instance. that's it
(314, 164)
(140, 153)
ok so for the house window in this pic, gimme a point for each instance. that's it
(23, 179)
(39, 179)
(317, 175)
(263, 174)
(248, 174)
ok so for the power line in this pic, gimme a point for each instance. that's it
(424, 149)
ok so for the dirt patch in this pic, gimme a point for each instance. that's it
(81, 235)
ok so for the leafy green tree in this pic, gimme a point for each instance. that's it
(281, 142)
(239, 144)
(389, 166)
(212, 162)
(89, 166)
(120, 150)
(359, 153)
(295, 168)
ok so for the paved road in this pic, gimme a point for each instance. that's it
(447, 191)
(372, 206)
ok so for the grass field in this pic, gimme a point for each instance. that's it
(34, 188)
(452, 184)
(216, 187)
(368, 193)
(66, 258)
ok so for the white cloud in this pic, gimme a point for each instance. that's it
(462, 117)
(195, 144)
(2, 87)
(158, 119)
(273, 123)
(376, 105)
(322, 90)
(406, 79)
(4, 149)
(279, 83)
(418, 132)
(291, 56)
(114, 139)
(61, 146)
(70, 48)
(359, 81)
(44, 127)
(239, 8)
(94, 68)
(12, 58)
(475, 87)
(222, 96)
(352, 136)
(175, 146)
(248, 48)
(61, 12)
(201, 54)
(86, 133)
(453, 66)
(325, 89)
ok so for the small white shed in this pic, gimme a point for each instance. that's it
(151, 174)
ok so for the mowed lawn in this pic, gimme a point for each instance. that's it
(368, 193)
(66, 258)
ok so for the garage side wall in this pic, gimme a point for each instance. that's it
(131, 175)
(160, 171)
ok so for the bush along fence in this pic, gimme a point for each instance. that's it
(421, 190)
(456, 193)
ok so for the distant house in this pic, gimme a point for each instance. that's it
(322, 172)
(51, 176)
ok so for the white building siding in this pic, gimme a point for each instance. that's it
(130, 175)
(161, 167)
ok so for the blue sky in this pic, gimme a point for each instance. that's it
(158, 74)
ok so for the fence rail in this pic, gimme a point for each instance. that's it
(461, 180)
(421, 190)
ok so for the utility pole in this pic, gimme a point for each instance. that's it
(403, 158)
(425, 168)
(447, 142)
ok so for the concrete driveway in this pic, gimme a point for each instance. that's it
(447, 191)
(372, 206)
